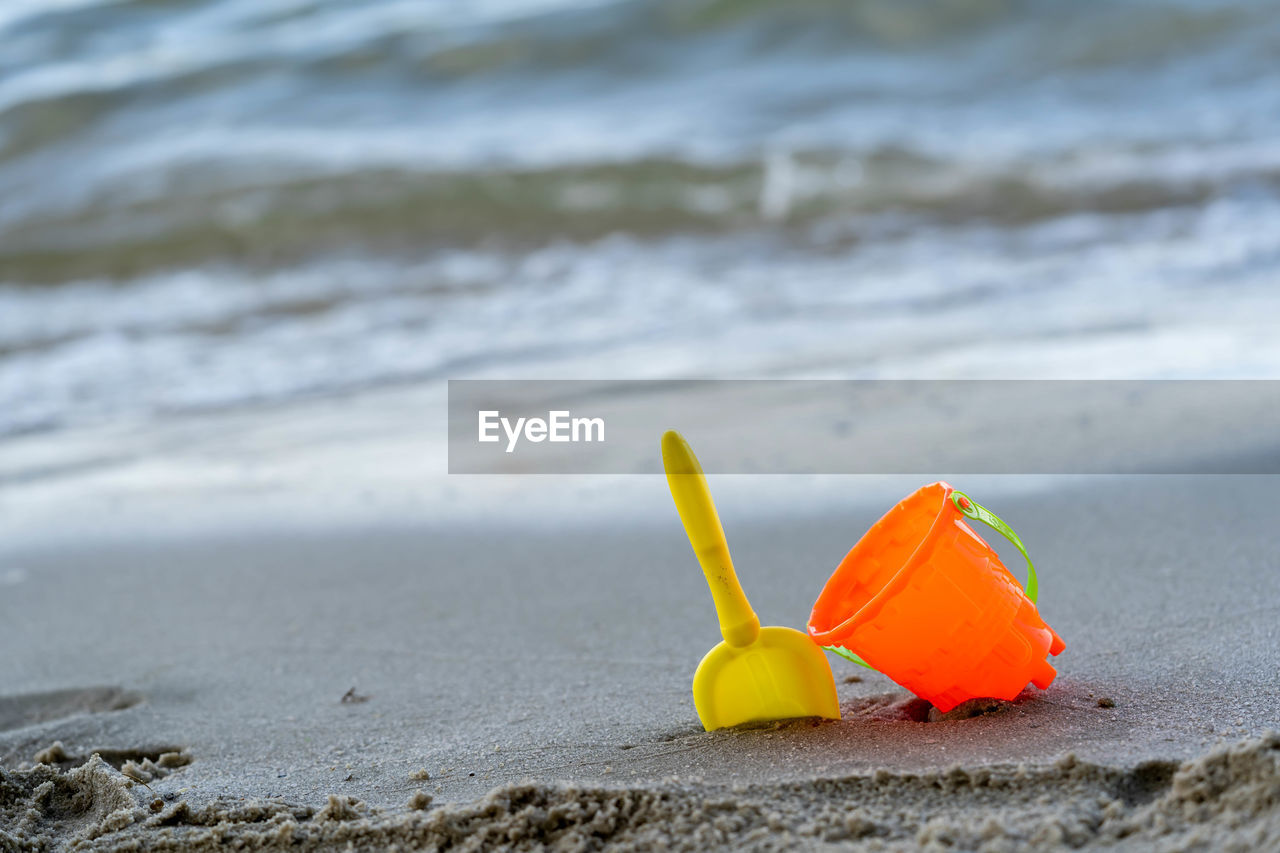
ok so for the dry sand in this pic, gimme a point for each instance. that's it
(1227, 800)
(461, 687)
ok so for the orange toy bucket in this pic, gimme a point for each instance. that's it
(925, 600)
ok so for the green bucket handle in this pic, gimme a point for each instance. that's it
(970, 508)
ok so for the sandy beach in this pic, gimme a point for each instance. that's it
(265, 263)
(534, 686)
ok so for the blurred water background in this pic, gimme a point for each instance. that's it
(236, 203)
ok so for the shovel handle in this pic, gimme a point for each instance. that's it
(739, 624)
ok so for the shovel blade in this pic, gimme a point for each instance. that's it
(781, 675)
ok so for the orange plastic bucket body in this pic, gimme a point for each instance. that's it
(925, 600)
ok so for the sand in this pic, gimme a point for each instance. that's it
(1227, 800)
(448, 685)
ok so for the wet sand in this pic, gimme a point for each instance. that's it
(490, 670)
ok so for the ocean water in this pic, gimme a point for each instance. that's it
(239, 203)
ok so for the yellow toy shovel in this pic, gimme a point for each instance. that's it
(756, 673)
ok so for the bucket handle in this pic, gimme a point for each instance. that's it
(970, 508)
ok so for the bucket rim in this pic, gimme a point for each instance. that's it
(872, 606)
